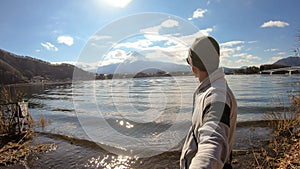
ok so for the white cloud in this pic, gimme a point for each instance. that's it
(281, 53)
(271, 23)
(239, 48)
(230, 48)
(271, 50)
(243, 62)
(49, 46)
(114, 56)
(275, 58)
(189, 39)
(233, 54)
(250, 42)
(92, 67)
(154, 29)
(147, 44)
(155, 37)
(249, 60)
(206, 31)
(198, 13)
(167, 47)
(37, 50)
(231, 43)
(247, 56)
(172, 50)
(97, 37)
(67, 40)
(137, 45)
(210, 1)
(169, 23)
(228, 52)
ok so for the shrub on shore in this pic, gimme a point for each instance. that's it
(16, 129)
(283, 151)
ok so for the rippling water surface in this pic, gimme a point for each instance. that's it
(144, 117)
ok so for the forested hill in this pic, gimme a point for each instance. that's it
(290, 61)
(25, 69)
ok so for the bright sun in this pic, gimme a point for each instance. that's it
(118, 3)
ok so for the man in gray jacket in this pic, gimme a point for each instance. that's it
(210, 139)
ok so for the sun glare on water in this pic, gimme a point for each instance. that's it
(118, 3)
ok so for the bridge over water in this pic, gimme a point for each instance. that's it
(285, 70)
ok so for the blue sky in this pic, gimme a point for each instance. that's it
(250, 32)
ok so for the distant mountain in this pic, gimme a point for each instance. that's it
(289, 61)
(141, 66)
(25, 69)
(138, 63)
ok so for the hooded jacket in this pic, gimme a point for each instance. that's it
(210, 139)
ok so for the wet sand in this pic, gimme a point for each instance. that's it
(76, 153)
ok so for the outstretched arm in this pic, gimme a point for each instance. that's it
(213, 136)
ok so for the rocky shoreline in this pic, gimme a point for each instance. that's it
(76, 153)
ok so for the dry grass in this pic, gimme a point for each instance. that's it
(8, 95)
(13, 153)
(42, 121)
(16, 131)
(283, 151)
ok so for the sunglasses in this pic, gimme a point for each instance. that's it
(187, 60)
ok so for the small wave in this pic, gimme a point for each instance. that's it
(78, 141)
(138, 129)
(63, 110)
(101, 147)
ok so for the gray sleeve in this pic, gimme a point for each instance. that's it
(213, 136)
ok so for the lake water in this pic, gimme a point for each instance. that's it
(144, 117)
